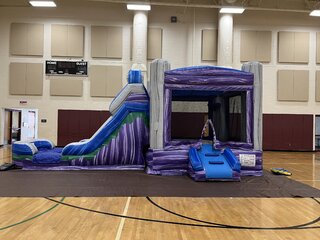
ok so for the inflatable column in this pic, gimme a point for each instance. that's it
(256, 69)
(157, 69)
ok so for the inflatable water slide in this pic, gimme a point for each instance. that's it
(118, 144)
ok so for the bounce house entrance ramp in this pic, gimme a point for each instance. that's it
(214, 164)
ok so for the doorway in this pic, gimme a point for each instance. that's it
(12, 126)
(7, 127)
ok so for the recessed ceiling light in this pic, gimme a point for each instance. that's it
(42, 3)
(142, 7)
(235, 10)
(315, 13)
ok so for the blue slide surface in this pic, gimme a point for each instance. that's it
(216, 164)
(85, 147)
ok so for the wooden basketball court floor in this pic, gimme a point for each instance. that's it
(200, 218)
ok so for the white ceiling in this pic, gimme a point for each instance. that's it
(273, 5)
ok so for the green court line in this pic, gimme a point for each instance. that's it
(33, 217)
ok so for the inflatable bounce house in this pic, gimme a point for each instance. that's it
(221, 89)
(138, 135)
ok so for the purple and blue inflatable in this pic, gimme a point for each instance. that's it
(142, 120)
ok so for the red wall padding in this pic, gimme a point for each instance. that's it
(187, 125)
(75, 125)
(288, 132)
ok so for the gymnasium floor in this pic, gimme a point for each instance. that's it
(99, 218)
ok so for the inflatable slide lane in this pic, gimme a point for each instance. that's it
(118, 144)
(210, 164)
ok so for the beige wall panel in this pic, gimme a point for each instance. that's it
(318, 86)
(318, 47)
(248, 45)
(17, 84)
(35, 39)
(286, 47)
(75, 41)
(263, 47)
(98, 81)
(66, 86)
(285, 85)
(114, 42)
(98, 41)
(301, 86)
(34, 79)
(209, 45)
(59, 40)
(301, 47)
(114, 80)
(18, 39)
(154, 43)
(293, 85)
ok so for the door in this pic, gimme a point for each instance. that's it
(7, 127)
(31, 125)
(15, 126)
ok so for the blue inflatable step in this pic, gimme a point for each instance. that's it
(215, 165)
(212, 154)
(216, 162)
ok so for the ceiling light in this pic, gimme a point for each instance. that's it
(142, 7)
(235, 10)
(315, 13)
(42, 3)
